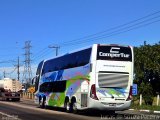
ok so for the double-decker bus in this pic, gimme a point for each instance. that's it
(96, 77)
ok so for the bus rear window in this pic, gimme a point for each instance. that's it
(115, 53)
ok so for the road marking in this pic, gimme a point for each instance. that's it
(9, 117)
(144, 110)
(156, 112)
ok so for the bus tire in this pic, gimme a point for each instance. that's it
(67, 106)
(42, 102)
(74, 105)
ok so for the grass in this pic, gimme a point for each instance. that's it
(145, 107)
(135, 105)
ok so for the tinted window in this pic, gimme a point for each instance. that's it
(57, 86)
(115, 53)
(39, 68)
(72, 60)
(38, 75)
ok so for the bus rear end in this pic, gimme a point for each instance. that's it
(112, 77)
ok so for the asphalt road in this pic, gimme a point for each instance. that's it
(27, 110)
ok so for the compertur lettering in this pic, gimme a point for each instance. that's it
(112, 55)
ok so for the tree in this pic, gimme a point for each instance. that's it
(147, 92)
(147, 66)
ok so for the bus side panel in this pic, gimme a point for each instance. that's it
(77, 81)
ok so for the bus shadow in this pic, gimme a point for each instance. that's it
(96, 113)
(93, 113)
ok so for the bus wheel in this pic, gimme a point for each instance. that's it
(74, 107)
(67, 106)
(42, 102)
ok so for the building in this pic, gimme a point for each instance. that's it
(11, 84)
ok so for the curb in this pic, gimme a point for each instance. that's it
(27, 99)
(156, 111)
(146, 111)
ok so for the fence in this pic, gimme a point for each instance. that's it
(27, 95)
(140, 101)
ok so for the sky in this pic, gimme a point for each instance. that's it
(72, 24)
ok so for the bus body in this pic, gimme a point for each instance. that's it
(97, 77)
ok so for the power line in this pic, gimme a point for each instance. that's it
(44, 52)
(8, 73)
(41, 51)
(113, 34)
(8, 61)
(42, 55)
(117, 30)
(56, 47)
(12, 71)
(113, 28)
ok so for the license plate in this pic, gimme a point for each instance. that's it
(112, 104)
(13, 94)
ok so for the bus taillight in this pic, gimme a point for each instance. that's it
(93, 92)
(130, 94)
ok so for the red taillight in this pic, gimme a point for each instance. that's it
(130, 94)
(93, 92)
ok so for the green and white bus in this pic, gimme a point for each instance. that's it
(96, 77)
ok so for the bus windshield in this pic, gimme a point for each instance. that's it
(115, 53)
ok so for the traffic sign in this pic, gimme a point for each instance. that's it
(134, 89)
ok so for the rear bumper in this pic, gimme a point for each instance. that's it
(11, 97)
(115, 106)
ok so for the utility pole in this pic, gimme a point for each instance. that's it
(145, 43)
(4, 74)
(18, 66)
(56, 47)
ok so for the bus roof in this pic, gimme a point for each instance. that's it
(73, 51)
(83, 48)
